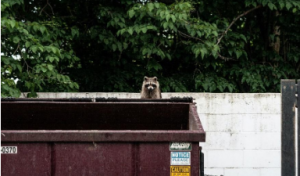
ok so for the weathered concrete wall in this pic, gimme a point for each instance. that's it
(243, 131)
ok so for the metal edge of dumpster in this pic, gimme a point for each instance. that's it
(75, 99)
(102, 99)
(172, 99)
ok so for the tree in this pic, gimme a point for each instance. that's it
(36, 50)
(212, 46)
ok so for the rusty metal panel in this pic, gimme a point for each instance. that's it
(98, 158)
(30, 159)
(91, 159)
(154, 159)
(111, 159)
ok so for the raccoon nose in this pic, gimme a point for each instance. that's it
(150, 88)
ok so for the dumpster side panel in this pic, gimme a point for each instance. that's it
(91, 159)
(109, 159)
(31, 159)
(154, 159)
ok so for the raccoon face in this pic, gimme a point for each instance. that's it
(150, 83)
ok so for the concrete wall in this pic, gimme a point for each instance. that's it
(243, 131)
(243, 134)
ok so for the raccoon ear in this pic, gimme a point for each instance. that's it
(155, 78)
(145, 78)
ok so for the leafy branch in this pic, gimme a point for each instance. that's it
(47, 4)
(234, 20)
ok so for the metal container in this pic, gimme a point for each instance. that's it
(110, 137)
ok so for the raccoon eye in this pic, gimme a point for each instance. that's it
(154, 85)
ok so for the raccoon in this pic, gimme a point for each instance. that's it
(150, 88)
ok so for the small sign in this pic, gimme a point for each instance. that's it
(180, 158)
(180, 146)
(9, 149)
(180, 170)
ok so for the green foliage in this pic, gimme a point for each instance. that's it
(35, 53)
(191, 46)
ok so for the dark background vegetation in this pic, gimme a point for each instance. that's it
(110, 45)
